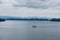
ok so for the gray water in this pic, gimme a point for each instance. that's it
(23, 30)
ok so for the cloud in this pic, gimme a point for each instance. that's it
(31, 4)
(46, 8)
(42, 4)
(0, 2)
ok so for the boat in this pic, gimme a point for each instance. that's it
(34, 26)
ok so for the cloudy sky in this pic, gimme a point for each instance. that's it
(45, 8)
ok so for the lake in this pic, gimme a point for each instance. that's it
(23, 30)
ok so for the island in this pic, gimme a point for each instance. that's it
(55, 19)
(2, 20)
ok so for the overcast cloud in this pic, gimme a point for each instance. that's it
(46, 8)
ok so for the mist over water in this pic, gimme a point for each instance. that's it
(23, 30)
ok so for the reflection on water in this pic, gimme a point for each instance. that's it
(23, 30)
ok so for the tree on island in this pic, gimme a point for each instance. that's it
(55, 19)
(2, 19)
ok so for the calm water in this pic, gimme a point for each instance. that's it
(23, 30)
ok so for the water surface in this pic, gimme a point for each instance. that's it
(23, 30)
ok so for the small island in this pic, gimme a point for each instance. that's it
(55, 20)
(2, 20)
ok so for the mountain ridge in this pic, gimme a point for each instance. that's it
(29, 18)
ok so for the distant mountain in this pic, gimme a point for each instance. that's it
(9, 17)
(23, 18)
(29, 18)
